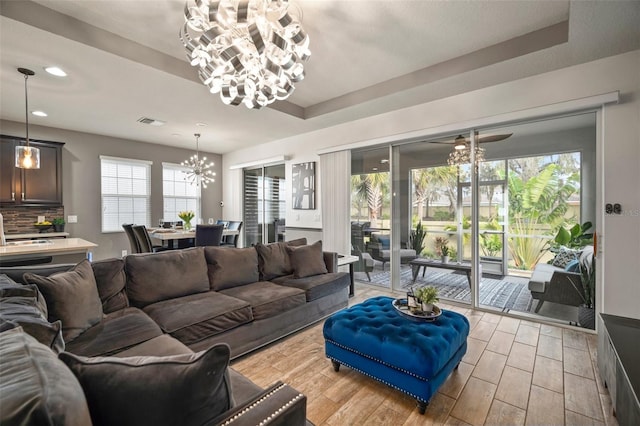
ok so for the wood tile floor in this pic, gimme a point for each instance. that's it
(515, 372)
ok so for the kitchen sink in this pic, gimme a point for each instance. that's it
(28, 242)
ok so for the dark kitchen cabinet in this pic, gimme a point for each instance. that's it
(35, 187)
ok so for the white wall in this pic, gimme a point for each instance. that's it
(619, 143)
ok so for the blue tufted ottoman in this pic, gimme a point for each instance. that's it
(413, 356)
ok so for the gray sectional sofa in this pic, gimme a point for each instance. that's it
(217, 302)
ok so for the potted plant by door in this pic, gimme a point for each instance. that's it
(58, 224)
(587, 289)
(416, 239)
(427, 296)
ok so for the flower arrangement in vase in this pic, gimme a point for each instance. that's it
(186, 217)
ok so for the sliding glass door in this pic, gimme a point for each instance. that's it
(264, 204)
(493, 200)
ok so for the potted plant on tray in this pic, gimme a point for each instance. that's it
(427, 296)
(58, 224)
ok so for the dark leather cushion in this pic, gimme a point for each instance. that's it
(36, 388)
(153, 277)
(274, 259)
(307, 260)
(189, 389)
(229, 268)
(72, 297)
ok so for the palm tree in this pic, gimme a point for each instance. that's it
(377, 184)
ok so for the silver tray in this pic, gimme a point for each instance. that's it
(402, 307)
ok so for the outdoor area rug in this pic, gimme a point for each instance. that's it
(501, 294)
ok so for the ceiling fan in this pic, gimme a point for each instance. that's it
(460, 142)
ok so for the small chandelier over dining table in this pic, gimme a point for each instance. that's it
(199, 170)
(249, 51)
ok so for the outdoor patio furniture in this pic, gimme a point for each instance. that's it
(557, 284)
(379, 248)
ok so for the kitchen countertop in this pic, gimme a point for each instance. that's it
(52, 247)
(38, 235)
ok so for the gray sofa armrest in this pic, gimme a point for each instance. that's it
(331, 261)
(280, 404)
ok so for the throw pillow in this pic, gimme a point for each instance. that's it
(274, 259)
(25, 312)
(564, 256)
(573, 266)
(307, 260)
(222, 264)
(72, 297)
(36, 387)
(187, 389)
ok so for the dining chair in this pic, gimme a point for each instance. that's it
(128, 229)
(208, 235)
(222, 222)
(232, 240)
(144, 240)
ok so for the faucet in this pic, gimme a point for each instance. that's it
(3, 240)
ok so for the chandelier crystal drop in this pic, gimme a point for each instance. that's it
(199, 172)
(249, 51)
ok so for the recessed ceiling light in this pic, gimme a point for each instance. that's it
(39, 113)
(201, 124)
(58, 72)
(176, 134)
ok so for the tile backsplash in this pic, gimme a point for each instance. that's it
(20, 220)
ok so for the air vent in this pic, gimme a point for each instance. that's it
(151, 121)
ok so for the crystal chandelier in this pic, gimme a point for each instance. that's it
(199, 172)
(249, 51)
(461, 153)
(27, 157)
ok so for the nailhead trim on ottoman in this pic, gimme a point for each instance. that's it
(414, 357)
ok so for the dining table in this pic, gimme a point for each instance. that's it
(179, 236)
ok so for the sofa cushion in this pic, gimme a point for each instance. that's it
(163, 345)
(153, 277)
(198, 316)
(268, 299)
(188, 389)
(230, 268)
(317, 286)
(541, 276)
(72, 297)
(36, 387)
(307, 260)
(9, 288)
(564, 256)
(274, 260)
(22, 311)
(116, 332)
(111, 280)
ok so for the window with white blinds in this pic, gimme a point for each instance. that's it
(178, 194)
(126, 192)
